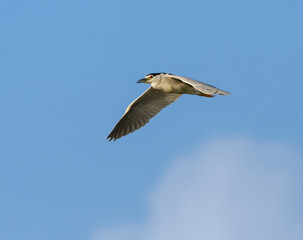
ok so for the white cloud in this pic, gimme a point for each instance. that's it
(230, 189)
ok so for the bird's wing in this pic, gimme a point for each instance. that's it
(141, 110)
(200, 86)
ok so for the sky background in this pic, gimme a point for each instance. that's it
(222, 168)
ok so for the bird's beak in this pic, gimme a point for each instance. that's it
(141, 80)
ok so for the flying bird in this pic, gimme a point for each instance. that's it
(165, 89)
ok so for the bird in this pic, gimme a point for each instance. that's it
(165, 88)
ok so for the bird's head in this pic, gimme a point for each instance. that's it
(148, 78)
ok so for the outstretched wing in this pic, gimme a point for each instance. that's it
(200, 86)
(138, 113)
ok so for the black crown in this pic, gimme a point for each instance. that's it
(155, 74)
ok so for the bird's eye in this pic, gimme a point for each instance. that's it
(150, 77)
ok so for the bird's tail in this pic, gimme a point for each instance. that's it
(218, 91)
(221, 92)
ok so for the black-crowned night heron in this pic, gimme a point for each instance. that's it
(165, 89)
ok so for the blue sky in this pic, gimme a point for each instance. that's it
(68, 71)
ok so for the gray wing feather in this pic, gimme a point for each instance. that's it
(139, 112)
(200, 86)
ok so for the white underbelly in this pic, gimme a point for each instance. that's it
(174, 86)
